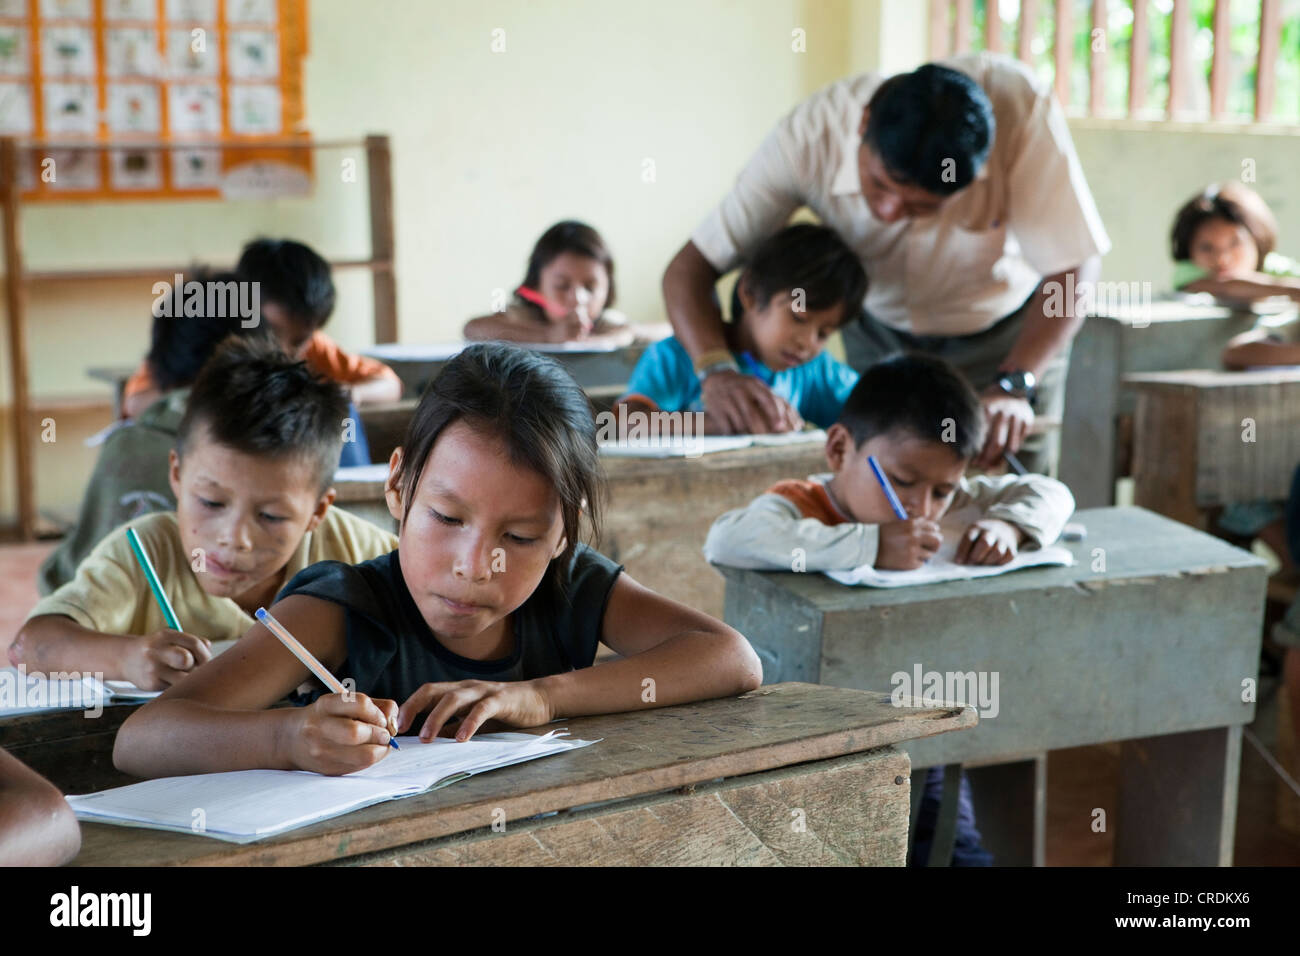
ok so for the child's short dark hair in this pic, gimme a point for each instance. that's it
(920, 395)
(255, 399)
(808, 257)
(570, 236)
(1231, 202)
(533, 404)
(181, 344)
(931, 128)
(292, 275)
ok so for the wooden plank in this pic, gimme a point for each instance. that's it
(640, 754)
(1097, 60)
(963, 25)
(1064, 46)
(1221, 63)
(1180, 58)
(1164, 442)
(992, 27)
(850, 811)
(940, 37)
(72, 749)
(1137, 59)
(167, 272)
(1178, 799)
(15, 307)
(379, 171)
(1270, 28)
(1025, 32)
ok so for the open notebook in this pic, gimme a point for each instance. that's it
(942, 567)
(23, 692)
(246, 805)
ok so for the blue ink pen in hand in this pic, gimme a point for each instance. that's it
(888, 488)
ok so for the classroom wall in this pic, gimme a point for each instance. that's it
(490, 148)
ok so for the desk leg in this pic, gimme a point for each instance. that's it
(1011, 810)
(1178, 799)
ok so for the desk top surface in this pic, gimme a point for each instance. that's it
(1214, 378)
(640, 754)
(1135, 542)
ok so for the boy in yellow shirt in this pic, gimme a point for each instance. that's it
(252, 474)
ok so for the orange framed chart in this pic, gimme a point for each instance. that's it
(149, 99)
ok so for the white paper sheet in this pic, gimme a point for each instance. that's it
(247, 805)
(942, 567)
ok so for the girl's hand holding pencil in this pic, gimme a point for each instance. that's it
(340, 733)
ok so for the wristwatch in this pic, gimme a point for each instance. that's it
(1019, 383)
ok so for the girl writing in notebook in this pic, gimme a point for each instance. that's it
(491, 608)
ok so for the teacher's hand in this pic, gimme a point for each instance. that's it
(1009, 420)
(742, 405)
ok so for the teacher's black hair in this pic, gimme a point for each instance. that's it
(932, 128)
(918, 395)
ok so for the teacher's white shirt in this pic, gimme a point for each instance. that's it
(1029, 214)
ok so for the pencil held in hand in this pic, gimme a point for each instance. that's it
(311, 663)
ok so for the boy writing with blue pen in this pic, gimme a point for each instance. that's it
(797, 289)
(898, 456)
(252, 472)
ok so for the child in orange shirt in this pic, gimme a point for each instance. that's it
(297, 297)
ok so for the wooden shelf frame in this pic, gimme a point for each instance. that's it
(380, 265)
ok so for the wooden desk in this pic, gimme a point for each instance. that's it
(809, 776)
(1188, 448)
(73, 751)
(659, 511)
(1152, 651)
(589, 369)
(1177, 333)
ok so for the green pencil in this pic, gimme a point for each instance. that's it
(152, 577)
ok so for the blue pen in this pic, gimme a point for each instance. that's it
(889, 489)
(754, 367)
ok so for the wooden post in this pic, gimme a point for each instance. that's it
(1028, 24)
(1180, 52)
(1137, 58)
(964, 17)
(1221, 64)
(379, 166)
(1097, 60)
(1064, 46)
(1270, 25)
(14, 305)
(939, 35)
(992, 27)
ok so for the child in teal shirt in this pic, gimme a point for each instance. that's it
(801, 285)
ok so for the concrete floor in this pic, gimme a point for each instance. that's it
(1077, 780)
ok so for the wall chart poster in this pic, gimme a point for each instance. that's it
(186, 80)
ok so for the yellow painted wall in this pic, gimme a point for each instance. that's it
(491, 148)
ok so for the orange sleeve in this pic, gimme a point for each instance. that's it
(141, 380)
(810, 498)
(326, 359)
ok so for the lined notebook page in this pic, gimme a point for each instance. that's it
(942, 567)
(246, 805)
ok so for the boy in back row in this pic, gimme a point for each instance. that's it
(923, 424)
(251, 472)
